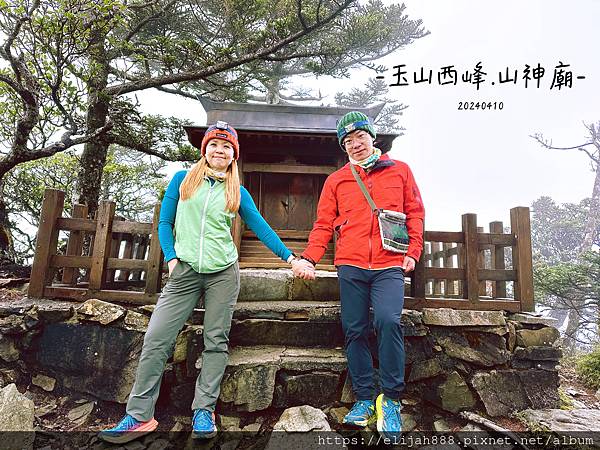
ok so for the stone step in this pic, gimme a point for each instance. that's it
(261, 376)
(300, 323)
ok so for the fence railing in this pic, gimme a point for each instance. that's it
(123, 262)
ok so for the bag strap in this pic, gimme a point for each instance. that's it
(364, 190)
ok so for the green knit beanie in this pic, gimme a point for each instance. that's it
(351, 122)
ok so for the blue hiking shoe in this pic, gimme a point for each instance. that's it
(361, 413)
(127, 430)
(203, 424)
(389, 421)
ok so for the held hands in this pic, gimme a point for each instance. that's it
(303, 269)
(409, 264)
(172, 263)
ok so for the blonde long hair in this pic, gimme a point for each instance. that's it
(195, 178)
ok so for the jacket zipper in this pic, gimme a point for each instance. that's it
(370, 232)
(201, 256)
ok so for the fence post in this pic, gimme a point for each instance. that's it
(154, 268)
(481, 265)
(471, 255)
(102, 243)
(498, 287)
(115, 248)
(417, 277)
(522, 259)
(46, 242)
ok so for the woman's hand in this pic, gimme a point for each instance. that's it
(172, 263)
(303, 269)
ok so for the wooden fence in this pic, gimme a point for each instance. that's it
(467, 269)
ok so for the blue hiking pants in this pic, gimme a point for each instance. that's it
(383, 290)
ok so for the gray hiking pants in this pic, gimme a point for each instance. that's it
(176, 303)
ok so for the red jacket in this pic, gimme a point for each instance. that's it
(344, 210)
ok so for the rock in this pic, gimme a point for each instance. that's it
(295, 333)
(101, 361)
(8, 376)
(45, 409)
(512, 336)
(16, 414)
(543, 337)
(557, 420)
(174, 429)
(538, 353)
(500, 391)
(598, 394)
(452, 395)
(338, 414)
(533, 319)
(441, 426)
(324, 287)
(456, 317)
(477, 348)
(8, 350)
(261, 284)
(137, 445)
(408, 422)
(103, 312)
(159, 444)
(185, 340)
(504, 392)
(16, 410)
(315, 389)
(425, 369)
(13, 324)
(252, 428)
(410, 401)
(418, 349)
(250, 389)
(230, 423)
(302, 419)
(541, 388)
(80, 414)
(45, 382)
(136, 322)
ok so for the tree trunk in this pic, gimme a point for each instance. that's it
(7, 251)
(592, 222)
(93, 158)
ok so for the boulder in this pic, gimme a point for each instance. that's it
(584, 421)
(250, 389)
(136, 322)
(425, 369)
(302, 419)
(338, 414)
(13, 324)
(538, 353)
(408, 422)
(95, 310)
(8, 349)
(453, 394)
(533, 319)
(314, 389)
(478, 348)
(459, 317)
(80, 414)
(101, 360)
(45, 382)
(500, 391)
(16, 414)
(543, 337)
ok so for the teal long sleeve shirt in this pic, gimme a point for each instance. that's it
(248, 212)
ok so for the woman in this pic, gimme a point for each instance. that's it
(194, 232)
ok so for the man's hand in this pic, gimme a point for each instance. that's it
(409, 264)
(303, 269)
(172, 263)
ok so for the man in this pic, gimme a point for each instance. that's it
(368, 274)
